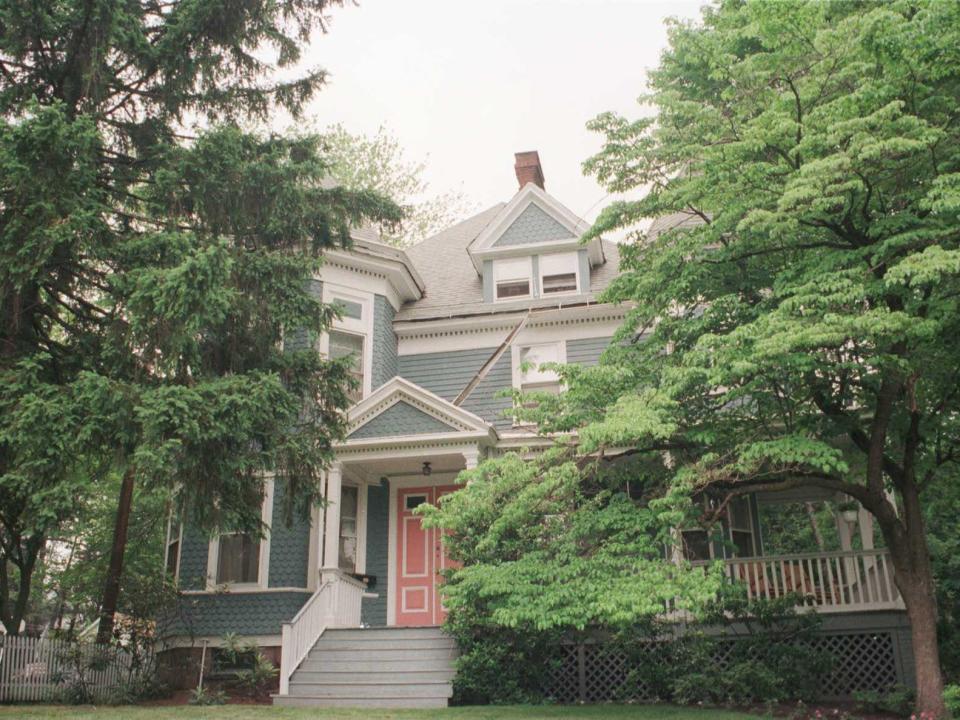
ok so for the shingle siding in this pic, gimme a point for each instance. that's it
(289, 546)
(533, 225)
(217, 614)
(373, 611)
(298, 338)
(193, 558)
(384, 350)
(586, 351)
(400, 419)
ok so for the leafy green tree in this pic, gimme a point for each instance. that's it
(800, 314)
(377, 163)
(147, 270)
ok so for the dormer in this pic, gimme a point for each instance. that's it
(532, 249)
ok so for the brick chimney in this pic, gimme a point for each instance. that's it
(528, 168)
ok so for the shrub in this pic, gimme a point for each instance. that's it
(951, 696)
(202, 696)
(898, 701)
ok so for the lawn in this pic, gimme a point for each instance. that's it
(262, 712)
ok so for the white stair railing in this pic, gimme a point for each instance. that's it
(336, 603)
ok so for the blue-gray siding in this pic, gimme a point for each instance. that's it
(447, 373)
(384, 351)
(400, 419)
(586, 351)
(217, 614)
(289, 546)
(374, 610)
(533, 225)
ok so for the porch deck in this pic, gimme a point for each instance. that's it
(832, 582)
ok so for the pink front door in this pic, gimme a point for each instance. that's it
(420, 558)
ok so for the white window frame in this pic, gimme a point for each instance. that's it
(573, 258)
(518, 374)
(362, 327)
(166, 547)
(509, 270)
(361, 564)
(263, 567)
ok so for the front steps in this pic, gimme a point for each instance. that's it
(375, 668)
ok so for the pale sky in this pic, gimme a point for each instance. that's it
(464, 85)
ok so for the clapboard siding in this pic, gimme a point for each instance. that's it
(373, 611)
(445, 373)
(586, 351)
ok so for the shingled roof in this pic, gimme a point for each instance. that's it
(455, 289)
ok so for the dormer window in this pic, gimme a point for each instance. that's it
(558, 273)
(512, 278)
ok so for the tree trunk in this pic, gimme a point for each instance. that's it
(111, 588)
(814, 525)
(914, 578)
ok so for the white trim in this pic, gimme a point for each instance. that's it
(401, 280)
(246, 589)
(166, 548)
(217, 641)
(362, 327)
(518, 347)
(263, 565)
(483, 248)
(579, 282)
(489, 331)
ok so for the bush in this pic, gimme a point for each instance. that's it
(202, 696)
(951, 696)
(898, 701)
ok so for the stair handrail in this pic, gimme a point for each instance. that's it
(300, 634)
(336, 603)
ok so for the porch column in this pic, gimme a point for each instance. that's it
(331, 525)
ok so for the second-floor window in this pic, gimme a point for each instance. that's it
(558, 273)
(349, 345)
(512, 278)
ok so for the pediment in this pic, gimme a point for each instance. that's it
(401, 408)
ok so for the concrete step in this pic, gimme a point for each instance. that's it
(391, 633)
(373, 690)
(320, 677)
(375, 653)
(359, 702)
(405, 664)
(335, 643)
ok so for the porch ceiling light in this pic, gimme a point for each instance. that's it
(427, 469)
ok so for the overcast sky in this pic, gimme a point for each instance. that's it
(464, 85)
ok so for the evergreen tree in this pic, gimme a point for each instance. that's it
(147, 269)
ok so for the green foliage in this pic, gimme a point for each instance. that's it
(898, 701)
(376, 163)
(149, 267)
(256, 675)
(951, 696)
(205, 697)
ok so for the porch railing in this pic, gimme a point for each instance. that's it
(336, 603)
(833, 581)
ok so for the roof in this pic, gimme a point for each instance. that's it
(674, 220)
(455, 289)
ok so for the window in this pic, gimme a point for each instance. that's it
(531, 376)
(349, 504)
(238, 559)
(558, 273)
(696, 545)
(511, 278)
(343, 345)
(349, 309)
(173, 554)
(741, 527)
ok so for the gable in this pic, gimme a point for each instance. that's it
(533, 225)
(401, 418)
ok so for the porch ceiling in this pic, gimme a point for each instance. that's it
(392, 467)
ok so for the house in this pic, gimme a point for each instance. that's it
(348, 599)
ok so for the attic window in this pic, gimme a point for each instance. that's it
(558, 273)
(512, 278)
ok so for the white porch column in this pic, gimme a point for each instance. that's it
(471, 458)
(331, 525)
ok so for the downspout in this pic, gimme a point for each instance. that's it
(491, 361)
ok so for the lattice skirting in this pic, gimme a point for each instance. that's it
(593, 672)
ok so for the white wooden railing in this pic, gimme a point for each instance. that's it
(336, 603)
(832, 581)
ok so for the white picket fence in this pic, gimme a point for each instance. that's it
(41, 669)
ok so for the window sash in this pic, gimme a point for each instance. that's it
(513, 289)
(349, 537)
(343, 344)
(559, 283)
(238, 559)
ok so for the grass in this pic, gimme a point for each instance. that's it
(262, 712)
